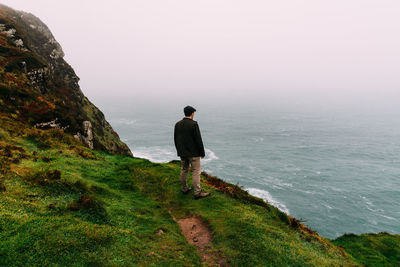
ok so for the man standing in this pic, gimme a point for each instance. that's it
(190, 148)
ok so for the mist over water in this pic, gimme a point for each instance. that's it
(335, 166)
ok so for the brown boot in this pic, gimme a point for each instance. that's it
(201, 195)
(187, 190)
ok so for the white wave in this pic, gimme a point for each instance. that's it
(367, 201)
(210, 155)
(123, 121)
(370, 206)
(155, 154)
(388, 217)
(165, 154)
(259, 139)
(276, 183)
(267, 197)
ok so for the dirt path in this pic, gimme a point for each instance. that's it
(199, 235)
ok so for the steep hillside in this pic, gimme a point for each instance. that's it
(381, 249)
(38, 87)
(64, 204)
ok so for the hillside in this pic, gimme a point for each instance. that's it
(39, 88)
(381, 249)
(71, 194)
(62, 203)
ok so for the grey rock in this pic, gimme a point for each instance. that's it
(50, 125)
(87, 135)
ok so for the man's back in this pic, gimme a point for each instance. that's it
(190, 148)
(187, 139)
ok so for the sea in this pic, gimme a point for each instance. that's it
(336, 169)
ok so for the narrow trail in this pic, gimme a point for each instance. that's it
(199, 235)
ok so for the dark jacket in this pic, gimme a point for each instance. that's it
(187, 139)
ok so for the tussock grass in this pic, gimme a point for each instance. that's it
(4, 135)
(380, 249)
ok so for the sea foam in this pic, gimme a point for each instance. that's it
(210, 155)
(268, 198)
(160, 154)
(155, 153)
(122, 121)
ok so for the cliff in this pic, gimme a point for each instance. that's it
(37, 86)
(64, 202)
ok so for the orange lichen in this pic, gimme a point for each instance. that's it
(11, 79)
(3, 41)
(50, 105)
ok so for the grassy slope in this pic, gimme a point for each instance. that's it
(68, 205)
(42, 221)
(380, 249)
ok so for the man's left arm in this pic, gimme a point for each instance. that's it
(198, 140)
(175, 138)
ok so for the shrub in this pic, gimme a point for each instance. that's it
(46, 159)
(45, 139)
(2, 187)
(89, 208)
(37, 136)
(82, 153)
(4, 165)
(44, 177)
(84, 202)
(4, 135)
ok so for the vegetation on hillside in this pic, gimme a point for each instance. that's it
(62, 203)
(381, 249)
(38, 86)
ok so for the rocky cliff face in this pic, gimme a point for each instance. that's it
(38, 86)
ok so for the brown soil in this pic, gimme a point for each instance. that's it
(199, 235)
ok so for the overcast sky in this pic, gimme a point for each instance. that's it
(250, 49)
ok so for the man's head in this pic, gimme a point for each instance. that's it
(189, 111)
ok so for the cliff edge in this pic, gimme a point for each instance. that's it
(39, 87)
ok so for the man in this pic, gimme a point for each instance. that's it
(190, 148)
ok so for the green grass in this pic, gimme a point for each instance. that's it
(380, 249)
(68, 206)
(43, 223)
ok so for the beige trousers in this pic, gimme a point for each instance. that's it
(196, 170)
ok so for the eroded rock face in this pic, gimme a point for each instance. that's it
(87, 135)
(50, 125)
(40, 87)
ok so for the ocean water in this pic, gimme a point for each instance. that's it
(338, 170)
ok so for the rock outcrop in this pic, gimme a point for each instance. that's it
(87, 136)
(38, 86)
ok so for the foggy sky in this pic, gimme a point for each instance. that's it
(228, 49)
